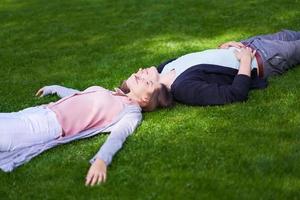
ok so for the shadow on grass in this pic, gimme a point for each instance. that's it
(118, 32)
(231, 151)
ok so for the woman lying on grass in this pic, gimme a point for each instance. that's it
(77, 115)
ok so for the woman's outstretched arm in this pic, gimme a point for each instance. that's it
(120, 131)
(56, 89)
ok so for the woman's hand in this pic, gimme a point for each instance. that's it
(46, 90)
(245, 53)
(231, 44)
(40, 92)
(97, 173)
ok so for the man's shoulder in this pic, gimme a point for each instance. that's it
(161, 66)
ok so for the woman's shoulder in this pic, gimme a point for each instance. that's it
(133, 108)
(95, 88)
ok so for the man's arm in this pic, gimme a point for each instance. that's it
(202, 93)
(245, 56)
(199, 92)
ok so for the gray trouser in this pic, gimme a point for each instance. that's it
(279, 51)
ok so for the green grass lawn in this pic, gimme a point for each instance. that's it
(247, 150)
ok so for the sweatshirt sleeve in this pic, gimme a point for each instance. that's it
(199, 92)
(119, 132)
(59, 90)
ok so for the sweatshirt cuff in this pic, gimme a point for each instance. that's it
(98, 157)
(242, 80)
(242, 83)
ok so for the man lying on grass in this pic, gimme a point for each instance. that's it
(225, 75)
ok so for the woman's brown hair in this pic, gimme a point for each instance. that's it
(161, 97)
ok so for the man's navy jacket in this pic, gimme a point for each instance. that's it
(206, 84)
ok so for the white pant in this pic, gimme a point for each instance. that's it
(27, 127)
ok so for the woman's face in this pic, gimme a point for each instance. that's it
(141, 87)
(149, 74)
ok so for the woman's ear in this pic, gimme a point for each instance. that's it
(144, 101)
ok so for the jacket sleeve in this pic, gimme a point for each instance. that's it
(119, 132)
(199, 92)
(59, 90)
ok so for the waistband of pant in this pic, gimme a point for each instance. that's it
(53, 120)
(259, 64)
